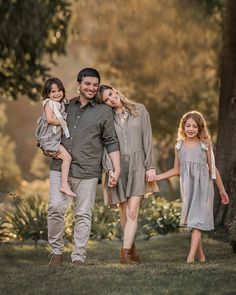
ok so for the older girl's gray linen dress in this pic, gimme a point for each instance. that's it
(136, 151)
(49, 136)
(196, 184)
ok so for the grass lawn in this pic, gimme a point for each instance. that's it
(163, 271)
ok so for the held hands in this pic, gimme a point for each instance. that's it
(113, 177)
(151, 175)
(224, 197)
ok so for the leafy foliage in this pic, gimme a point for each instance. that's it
(9, 170)
(28, 220)
(159, 216)
(160, 53)
(40, 165)
(3, 231)
(105, 223)
(36, 28)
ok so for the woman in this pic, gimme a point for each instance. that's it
(133, 128)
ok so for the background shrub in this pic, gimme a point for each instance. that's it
(159, 216)
(28, 220)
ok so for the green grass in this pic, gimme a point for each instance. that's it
(163, 271)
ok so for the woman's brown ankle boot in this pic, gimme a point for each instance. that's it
(134, 255)
(125, 257)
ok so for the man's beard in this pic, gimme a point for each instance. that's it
(85, 96)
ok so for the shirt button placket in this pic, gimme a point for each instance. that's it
(125, 140)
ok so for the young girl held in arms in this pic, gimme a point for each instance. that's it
(194, 162)
(50, 126)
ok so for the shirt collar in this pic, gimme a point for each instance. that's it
(92, 102)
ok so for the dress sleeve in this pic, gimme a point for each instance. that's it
(178, 145)
(149, 161)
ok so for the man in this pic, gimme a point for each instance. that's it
(91, 129)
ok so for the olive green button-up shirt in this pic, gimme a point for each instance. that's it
(91, 129)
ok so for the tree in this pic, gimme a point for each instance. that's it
(226, 142)
(162, 53)
(29, 29)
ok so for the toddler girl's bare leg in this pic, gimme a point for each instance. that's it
(66, 160)
(195, 242)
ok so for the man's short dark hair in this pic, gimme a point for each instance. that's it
(88, 72)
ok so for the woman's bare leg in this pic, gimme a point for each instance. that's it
(66, 161)
(123, 218)
(132, 210)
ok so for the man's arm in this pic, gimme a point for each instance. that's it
(111, 143)
(114, 175)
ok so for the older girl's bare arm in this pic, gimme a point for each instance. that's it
(50, 115)
(172, 172)
(224, 196)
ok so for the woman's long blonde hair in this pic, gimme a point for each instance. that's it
(129, 105)
(203, 132)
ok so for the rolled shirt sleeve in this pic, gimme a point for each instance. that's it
(109, 136)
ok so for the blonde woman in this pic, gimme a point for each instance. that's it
(194, 162)
(133, 128)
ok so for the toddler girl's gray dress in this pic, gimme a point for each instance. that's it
(196, 185)
(49, 136)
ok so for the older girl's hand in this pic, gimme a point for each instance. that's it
(224, 197)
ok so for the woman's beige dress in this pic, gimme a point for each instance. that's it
(136, 149)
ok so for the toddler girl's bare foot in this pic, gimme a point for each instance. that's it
(66, 190)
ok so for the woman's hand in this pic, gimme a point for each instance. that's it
(224, 197)
(151, 175)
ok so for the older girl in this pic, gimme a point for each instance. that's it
(194, 162)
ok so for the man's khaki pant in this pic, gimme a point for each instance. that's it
(85, 190)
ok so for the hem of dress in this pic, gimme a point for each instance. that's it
(191, 227)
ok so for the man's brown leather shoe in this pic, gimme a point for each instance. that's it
(55, 261)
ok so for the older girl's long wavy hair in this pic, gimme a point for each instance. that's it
(129, 105)
(203, 132)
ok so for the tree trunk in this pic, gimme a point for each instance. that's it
(226, 142)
